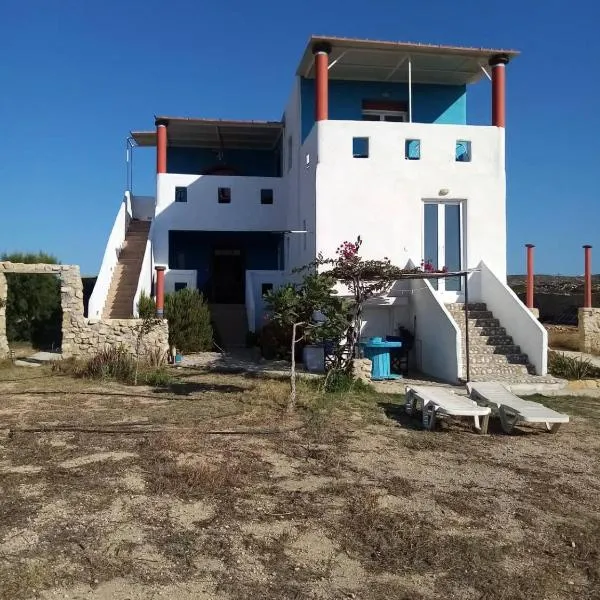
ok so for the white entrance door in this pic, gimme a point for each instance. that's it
(443, 244)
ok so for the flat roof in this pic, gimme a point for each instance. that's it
(215, 133)
(372, 60)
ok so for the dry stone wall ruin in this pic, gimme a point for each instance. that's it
(81, 337)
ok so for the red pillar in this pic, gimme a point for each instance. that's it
(161, 147)
(498, 64)
(321, 52)
(160, 291)
(587, 291)
(530, 248)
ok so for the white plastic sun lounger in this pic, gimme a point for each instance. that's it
(437, 401)
(511, 409)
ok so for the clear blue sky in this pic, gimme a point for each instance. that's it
(77, 75)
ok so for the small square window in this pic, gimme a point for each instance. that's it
(463, 151)
(266, 288)
(412, 149)
(360, 147)
(266, 196)
(224, 195)
(180, 194)
(180, 285)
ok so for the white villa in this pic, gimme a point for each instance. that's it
(374, 141)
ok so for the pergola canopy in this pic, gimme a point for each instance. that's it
(214, 133)
(369, 60)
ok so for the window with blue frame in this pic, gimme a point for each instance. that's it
(266, 196)
(180, 194)
(463, 151)
(412, 149)
(224, 195)
(360, 147)
(265, 288)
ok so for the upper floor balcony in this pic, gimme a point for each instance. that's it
(349, 79)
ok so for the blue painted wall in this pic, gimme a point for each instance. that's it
(194, 250)
(431, 103)
(249, 163)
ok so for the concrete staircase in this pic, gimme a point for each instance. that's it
(231, 323)
(119, 302)
(493, 353)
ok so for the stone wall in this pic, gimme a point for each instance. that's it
(82, 337)
(3, 340)
(589, 330)
(87, 336)
(361, 369)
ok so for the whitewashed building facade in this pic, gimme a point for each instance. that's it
(375, 142)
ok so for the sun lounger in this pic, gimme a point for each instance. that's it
(511, 409)
(437, 401)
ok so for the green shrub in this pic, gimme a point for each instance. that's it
(113, 362)
(190, 327)
(146, 306)
(297, 303)
(157, 377)
(339, 381)
(567, 367)
(33, 312)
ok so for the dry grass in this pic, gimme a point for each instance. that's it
(347, 498)
(562, 337)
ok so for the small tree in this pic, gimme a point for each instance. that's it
(293, 307)
(297, 303)
(190, 329)
(146, 326)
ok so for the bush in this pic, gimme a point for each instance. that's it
(567, 367)
(146, 306)
(190, 327)
(111, 363)
(275, 341)
(293, 303)
(33, 311)
(157, 377)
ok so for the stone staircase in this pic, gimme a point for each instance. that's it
(231, 324)
(119, 302)
(493, 353)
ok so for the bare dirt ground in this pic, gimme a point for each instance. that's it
(193, 491)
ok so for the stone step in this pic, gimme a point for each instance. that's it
(460, 306)
(475, 314)
(489, 340)
(481, 323)
(488, 332)
(490, 372)
(499, 360)
(485, 349)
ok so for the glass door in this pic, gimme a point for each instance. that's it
(443, 244)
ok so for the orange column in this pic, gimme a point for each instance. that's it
(587, 290)
(160, 291)
(161, 147)
(530, 248)
(321, 52)
(498, 64)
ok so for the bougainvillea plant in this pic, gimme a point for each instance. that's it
(364, 280)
